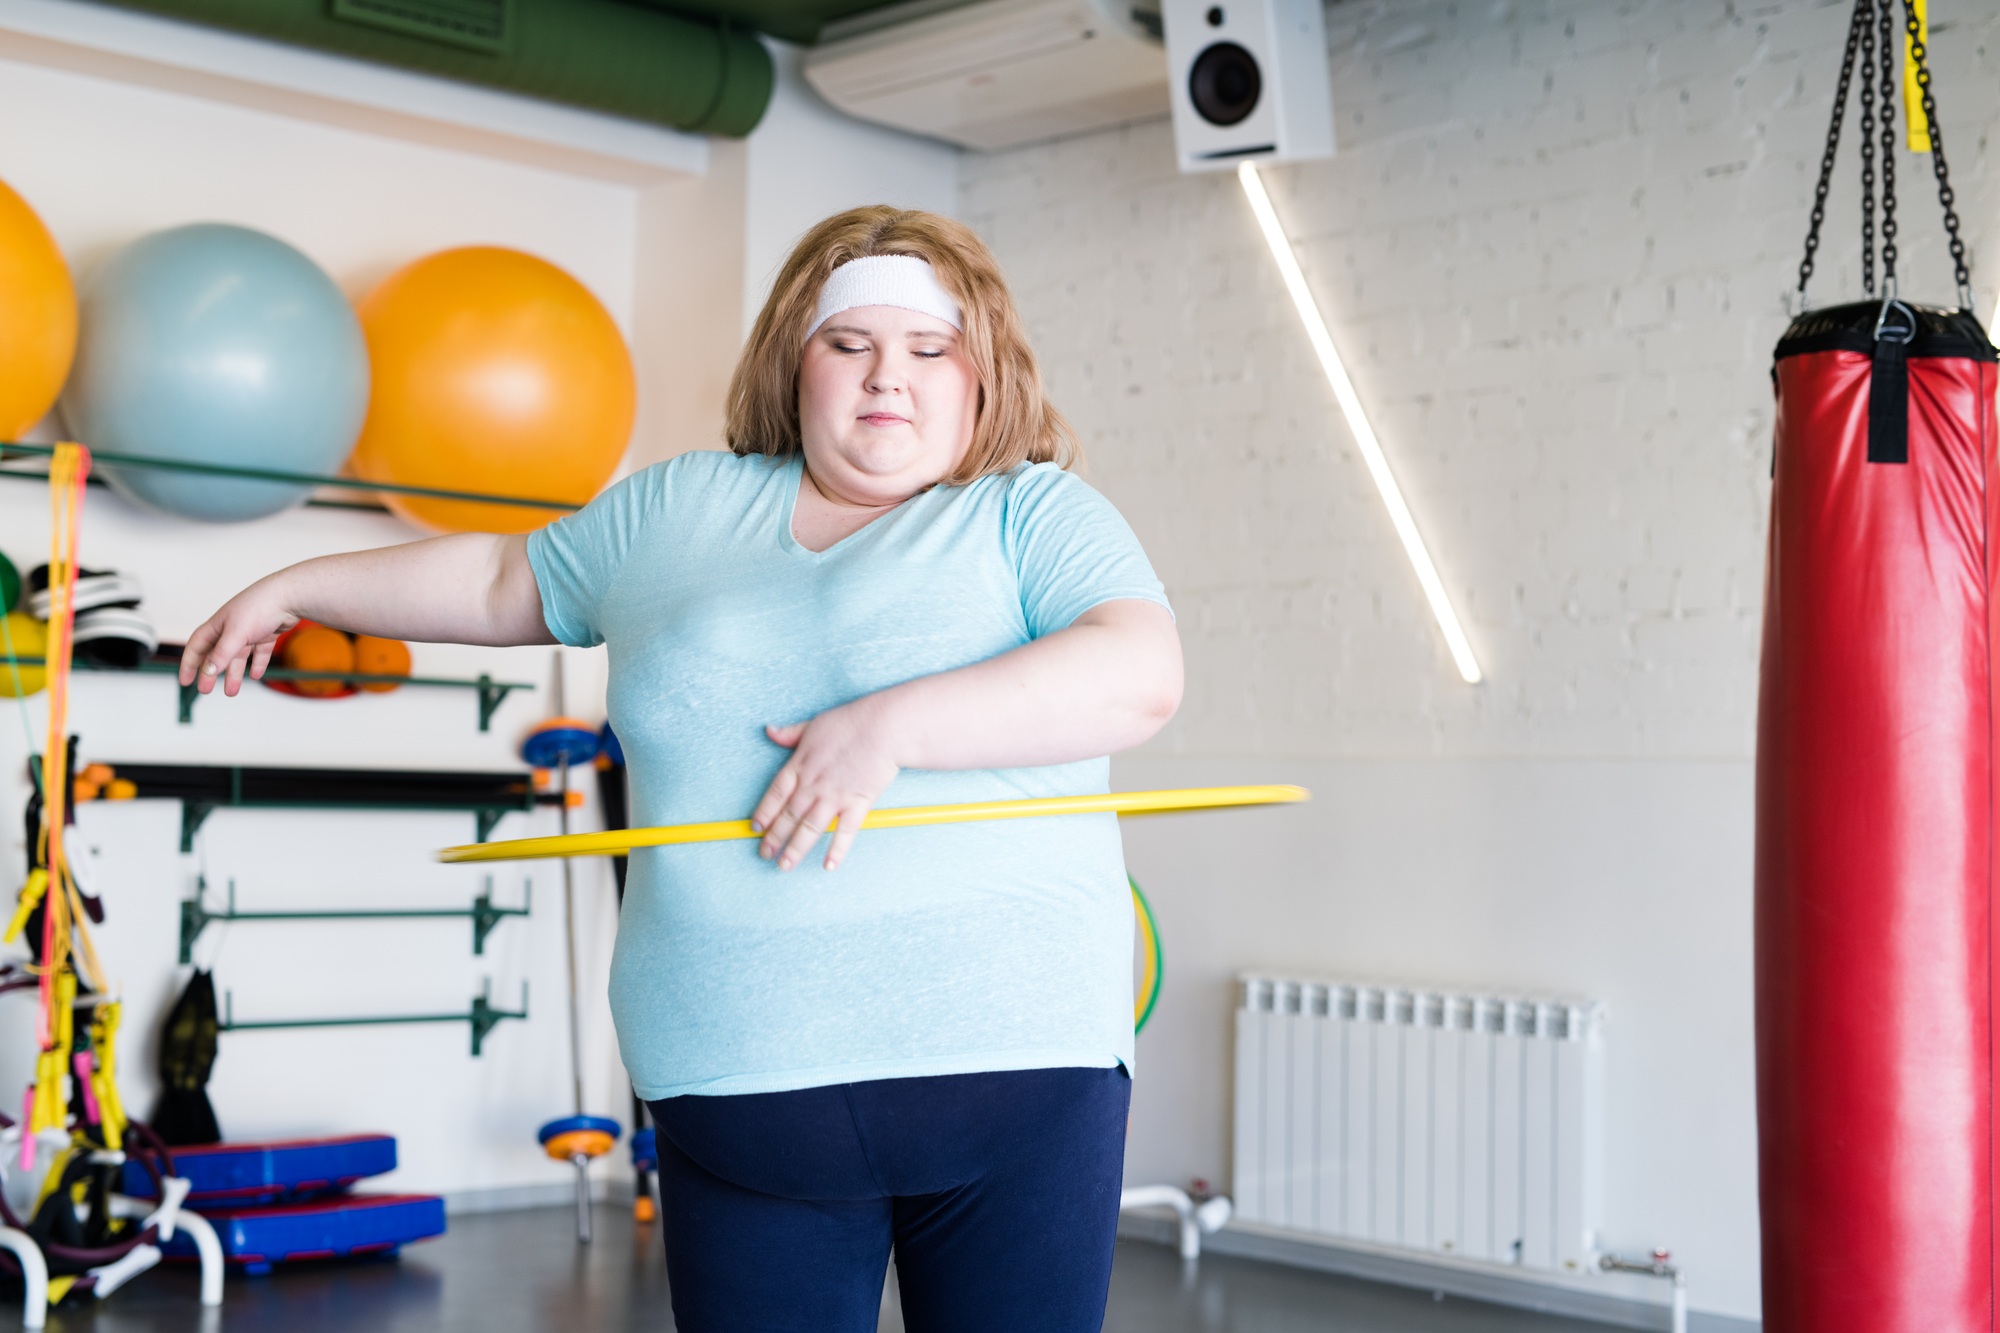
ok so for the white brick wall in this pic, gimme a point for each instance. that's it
(1555, 248)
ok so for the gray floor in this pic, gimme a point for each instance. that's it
(509, 1272)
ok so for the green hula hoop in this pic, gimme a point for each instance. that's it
(1155, 965)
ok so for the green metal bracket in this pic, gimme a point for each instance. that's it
(192, 815)
(484, 1017)
(481, 1015)
(487, 819)
(194, 920)
(485, 916)
(195, 915)
(492, 693)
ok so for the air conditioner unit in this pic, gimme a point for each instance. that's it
(996, 73)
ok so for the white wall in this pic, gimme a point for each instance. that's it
(105, 161)
(1617, 879)
(1554, 247)
(808, 162)
(120, 161)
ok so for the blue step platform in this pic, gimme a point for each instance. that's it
(337, 1227)
(288, 1171)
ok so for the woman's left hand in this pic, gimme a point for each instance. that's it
(841, 763)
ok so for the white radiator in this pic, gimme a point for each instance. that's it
(1466, 1125)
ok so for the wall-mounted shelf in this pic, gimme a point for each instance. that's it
(195, 915)
(203, 789)
(491, 693)
(289, 478)
(96, 482)
(481, 1014)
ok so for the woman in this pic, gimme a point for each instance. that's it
(890, 588)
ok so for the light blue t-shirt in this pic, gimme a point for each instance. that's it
(953, 949)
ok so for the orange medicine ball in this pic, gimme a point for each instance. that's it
(38, 330)
(497, 372)
(380, 657)
(316, 648)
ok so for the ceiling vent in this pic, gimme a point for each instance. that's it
(997, 73)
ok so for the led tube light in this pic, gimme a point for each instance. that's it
(1357, 422)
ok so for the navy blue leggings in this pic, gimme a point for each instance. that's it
(998, 1191)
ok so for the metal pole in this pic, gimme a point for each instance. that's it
(581, 1163)
(569, 920)
(582, 1199)
(569, 942)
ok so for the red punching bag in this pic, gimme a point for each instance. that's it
(1877, 803)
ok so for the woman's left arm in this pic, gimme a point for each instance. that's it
(1106, 683)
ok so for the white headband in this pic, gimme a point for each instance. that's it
(903, 281)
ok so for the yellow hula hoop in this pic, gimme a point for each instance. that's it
(617, 842)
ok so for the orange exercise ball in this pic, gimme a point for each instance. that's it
(497, 372)
(38, 330)
(380, 657)
(310, 647)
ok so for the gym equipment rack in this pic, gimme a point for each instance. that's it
(267, 474)
(492, 693)
(203, 789)
(480, 1014)
(195, 915)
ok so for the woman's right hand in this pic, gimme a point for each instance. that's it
(238, 639)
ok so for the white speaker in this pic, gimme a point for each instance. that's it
(1249, 81)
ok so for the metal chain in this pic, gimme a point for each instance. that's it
(1832, 150)
(1960, 271)
(1865, 9)
(1866, 27)
(1888, 148)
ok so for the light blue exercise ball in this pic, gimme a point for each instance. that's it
(216, 344)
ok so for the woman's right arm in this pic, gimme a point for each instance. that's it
(466, 588)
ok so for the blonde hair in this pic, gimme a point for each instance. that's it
(1016, 422)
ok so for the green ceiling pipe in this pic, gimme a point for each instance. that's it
(606, 55)
(799, 21)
